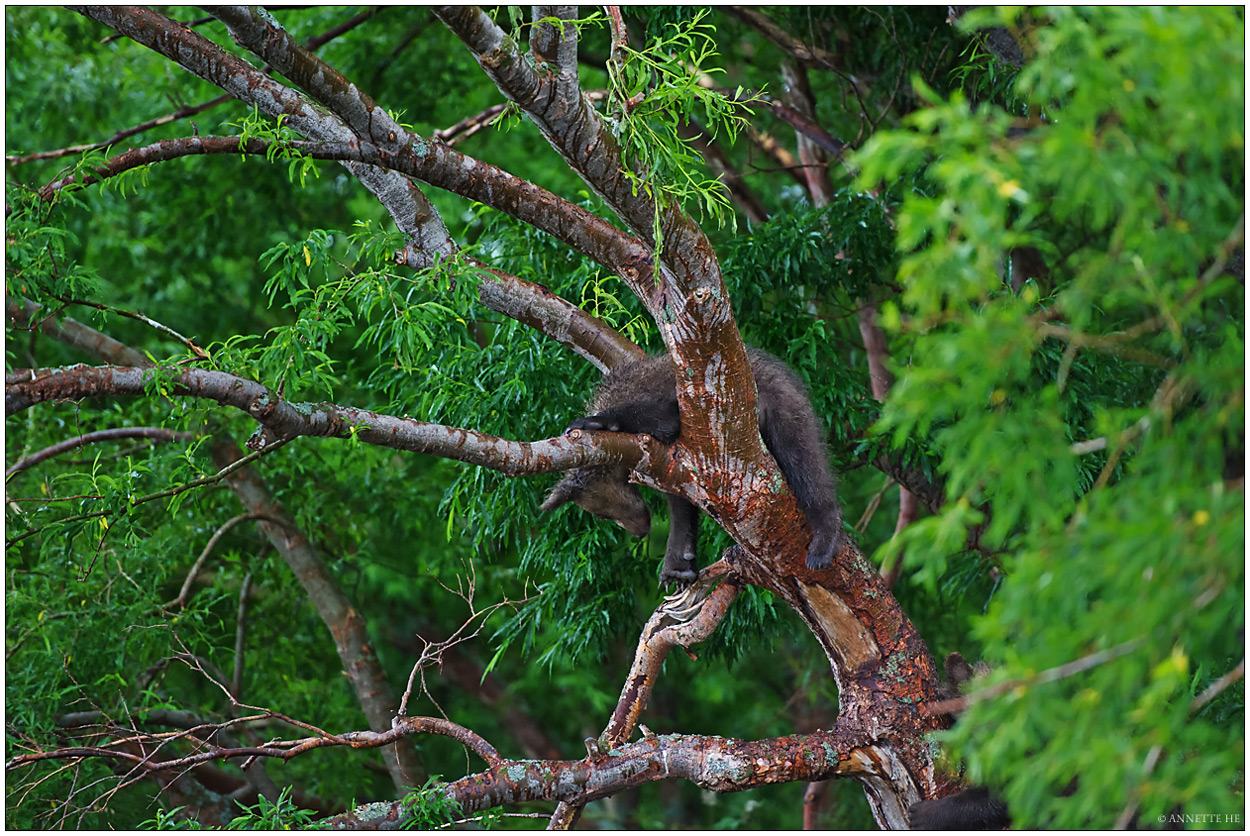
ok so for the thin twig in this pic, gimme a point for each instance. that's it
(959, 704)
(151, 323)
(154, 433)
(1214, 689)
(195, 483)
(185, 592)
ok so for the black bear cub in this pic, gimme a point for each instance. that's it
(974, 808)
(641, 397)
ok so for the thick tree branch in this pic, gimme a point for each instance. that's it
(283, 420)
(713, 763)
(717, 764)
(534, 305)
(579, 135)
(411, 212)
(556, 45)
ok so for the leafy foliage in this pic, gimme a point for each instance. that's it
(1133, 542)
(1052, 253)
(653, 92)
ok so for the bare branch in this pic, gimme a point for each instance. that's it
(682, 620)
(153, 433)
(201, 734)
(180, 113)
(346, 26)
(804, 124)
(436, 164)
(185, 593)
(809, 55)
(138, 317)
(282, 420)
(432, 652)
(455, 664)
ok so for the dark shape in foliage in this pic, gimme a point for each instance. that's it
(972, 809)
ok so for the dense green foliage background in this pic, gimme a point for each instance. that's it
(1116, 153)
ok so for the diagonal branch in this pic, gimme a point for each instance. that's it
(682, 620)
(760, 22)
(412, 213)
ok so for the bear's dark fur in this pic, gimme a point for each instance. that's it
(974, 808)
(641, 397)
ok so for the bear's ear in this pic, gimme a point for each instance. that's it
(565, 491)
(958, 671)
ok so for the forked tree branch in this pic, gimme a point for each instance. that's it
(717, 764)
(680, 621)
(313, 43)
(412, 213)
